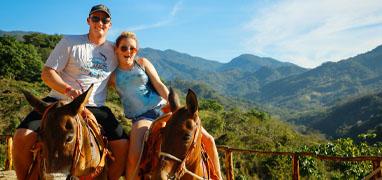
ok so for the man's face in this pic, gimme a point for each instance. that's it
(99, 23)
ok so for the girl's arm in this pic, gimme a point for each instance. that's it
(154, 78)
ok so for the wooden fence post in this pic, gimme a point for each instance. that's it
(296, 167)
(229, 164)
(377, 164)
(8, 161)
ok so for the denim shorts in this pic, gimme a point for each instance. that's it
(150, 115)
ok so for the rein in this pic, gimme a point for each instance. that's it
(78, 147)
(182, 169)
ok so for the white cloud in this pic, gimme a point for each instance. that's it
(311, 32)
(175, 9)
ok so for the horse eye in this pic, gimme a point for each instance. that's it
(187, 137)
(68, 125)
(69, 138)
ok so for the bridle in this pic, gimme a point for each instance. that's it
(182, 169)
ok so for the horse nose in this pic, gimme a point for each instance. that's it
(164, 176)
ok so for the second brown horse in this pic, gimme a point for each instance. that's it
(181, 153)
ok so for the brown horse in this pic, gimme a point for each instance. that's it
(70, 142)
(181, 153)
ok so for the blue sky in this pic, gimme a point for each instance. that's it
(306, 33)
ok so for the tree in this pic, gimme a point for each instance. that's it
(43, 42)
(212, 105)
(18, 60)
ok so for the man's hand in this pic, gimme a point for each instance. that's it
(72, 93)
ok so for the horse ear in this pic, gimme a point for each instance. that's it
(79, 102)
(38, 104)
(173, 100)
(192, 102)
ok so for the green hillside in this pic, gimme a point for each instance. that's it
(358, 116)
(249, 129)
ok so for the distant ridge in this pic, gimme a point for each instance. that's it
(252, 63)
(19, 34)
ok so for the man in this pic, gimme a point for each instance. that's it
(75, 63)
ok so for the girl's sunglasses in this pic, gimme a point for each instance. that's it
(131, 48)
(96, 19)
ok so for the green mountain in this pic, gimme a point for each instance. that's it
(252, 63)
(239, 78)
(326, 85)
(358, 116)
(171, 64)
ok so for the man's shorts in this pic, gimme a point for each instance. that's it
(110, 126)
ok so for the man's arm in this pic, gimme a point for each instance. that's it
(54, 81)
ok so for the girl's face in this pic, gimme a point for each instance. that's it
(126, 50)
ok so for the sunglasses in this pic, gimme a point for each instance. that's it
(131, 48)
(96, 19)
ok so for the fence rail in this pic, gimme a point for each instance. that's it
(228, 152)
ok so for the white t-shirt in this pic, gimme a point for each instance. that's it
(81, 63)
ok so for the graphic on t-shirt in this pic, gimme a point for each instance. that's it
(97, 66)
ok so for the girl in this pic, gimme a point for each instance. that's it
(143, 95)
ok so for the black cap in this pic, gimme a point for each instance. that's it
(100, 7)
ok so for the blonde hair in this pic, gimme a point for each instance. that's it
(126, 34)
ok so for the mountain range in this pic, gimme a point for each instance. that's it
(275, 84)
(329, 98)
(295, 94)
(240, 77)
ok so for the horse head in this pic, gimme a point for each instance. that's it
(180, 148)
(59, 131)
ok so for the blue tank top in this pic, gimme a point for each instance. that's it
(136, 91)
